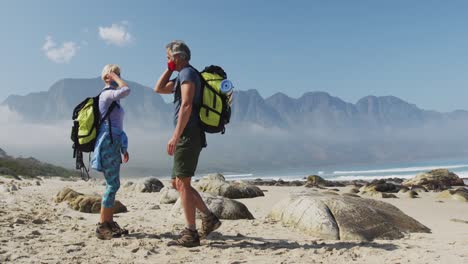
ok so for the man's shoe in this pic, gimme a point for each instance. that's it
(188, 238)
(209, 224)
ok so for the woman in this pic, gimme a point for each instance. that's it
(111, 143)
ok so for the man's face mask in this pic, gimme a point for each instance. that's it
(171, 65)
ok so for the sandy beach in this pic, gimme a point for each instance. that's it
(36, 229)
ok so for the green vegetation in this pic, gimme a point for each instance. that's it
(31, 167)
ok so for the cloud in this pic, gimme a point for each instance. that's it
(8, 116)
(117, 34)
(59, 54)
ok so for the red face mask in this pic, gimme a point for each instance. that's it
(171, 65)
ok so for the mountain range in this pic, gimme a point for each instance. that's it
(277, 132)
(312, 109)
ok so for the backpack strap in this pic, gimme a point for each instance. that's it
(107, 116)
(108, 112)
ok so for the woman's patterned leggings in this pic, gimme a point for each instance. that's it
(111, 160)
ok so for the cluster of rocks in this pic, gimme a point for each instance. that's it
(435, 180)
(280, 182)
(218, 194)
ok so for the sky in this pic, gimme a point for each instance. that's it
(415, 50)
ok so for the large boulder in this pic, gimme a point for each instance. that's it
(152, 185)
(216, 185)
(222, 207)
(344, 217)
(439, 180)
(168, 195)
(85, 203)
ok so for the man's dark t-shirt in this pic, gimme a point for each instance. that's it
(187, 74)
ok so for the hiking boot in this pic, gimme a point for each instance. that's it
(209, 224)
(117, 231)
(188, 238)
(104, 231)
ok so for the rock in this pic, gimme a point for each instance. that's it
(19, 221)
(412, 194)
(38, 221)
(215, 177)
(439, 180)
(35, 233)
(13, 188)
(459, 221)
(85, 203)
(154, 207)
(380, 186)
(315, 180)
(260, 182)
(459, 194)
(152, 185)
(344, 217)
(38, 183)
(215, 185)
(418, 188)
(168, 195)
(222, 207)
(296, 183)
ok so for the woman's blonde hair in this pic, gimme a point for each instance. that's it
(108, 69)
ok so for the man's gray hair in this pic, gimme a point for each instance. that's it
(178, 47)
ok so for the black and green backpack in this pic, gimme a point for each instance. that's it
(215, 108)
(86, 122)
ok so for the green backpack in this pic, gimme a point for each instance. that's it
(215, 107)
(86, 122)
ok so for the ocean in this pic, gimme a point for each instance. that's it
(366, 172)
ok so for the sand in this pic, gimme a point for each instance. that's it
(34, 229)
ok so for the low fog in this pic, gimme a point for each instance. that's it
(247, 147)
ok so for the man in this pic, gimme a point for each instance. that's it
(187, 140)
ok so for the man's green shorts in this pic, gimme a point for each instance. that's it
(187, 152)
